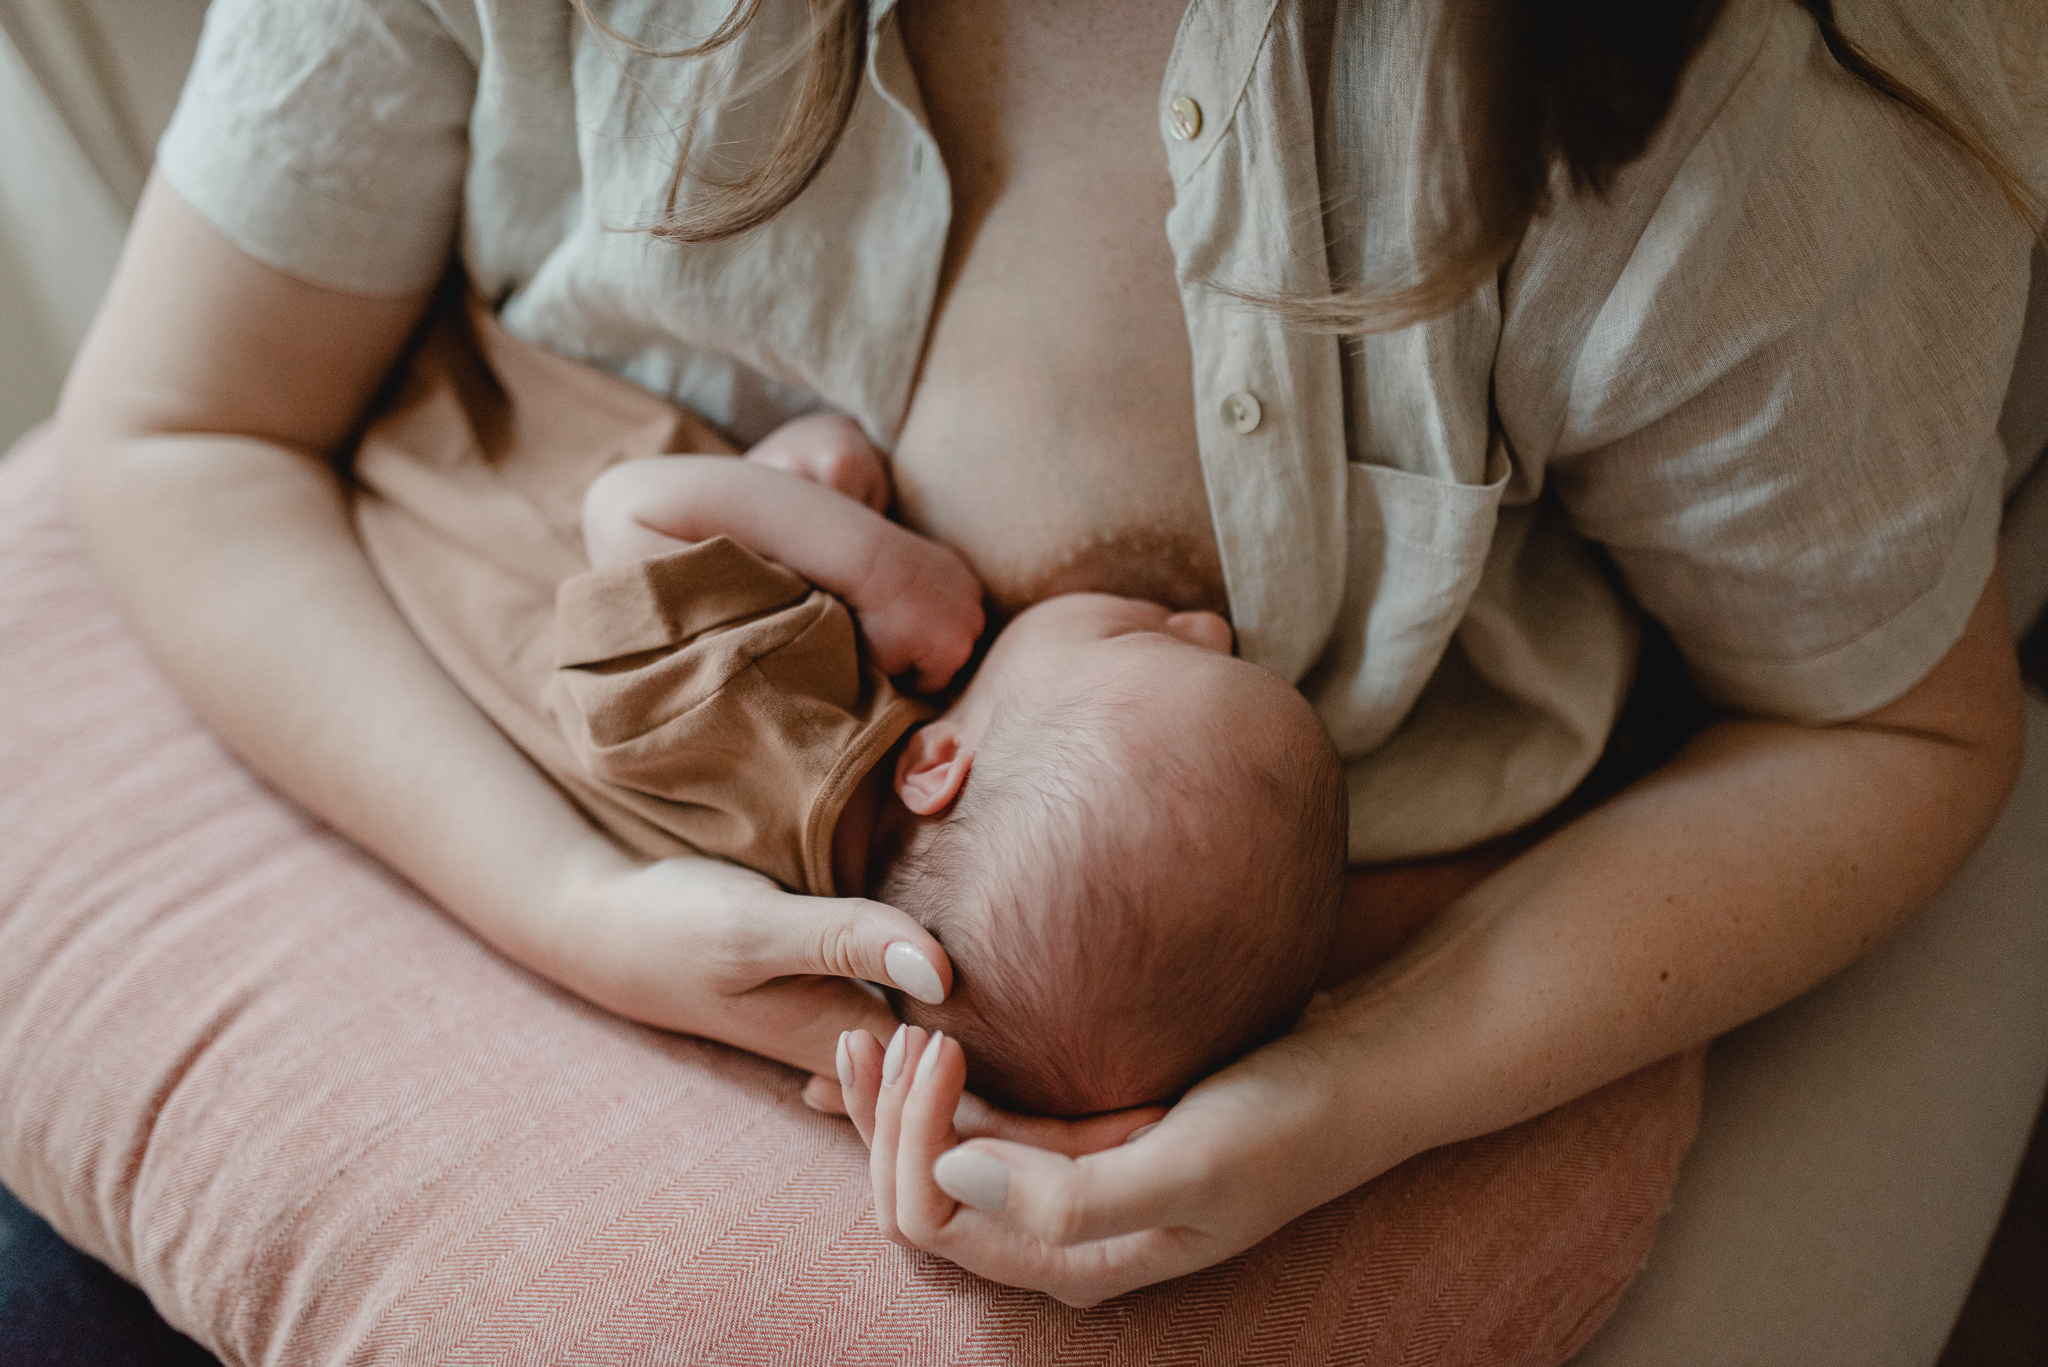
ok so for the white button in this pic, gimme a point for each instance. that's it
(1241, 413)
(1184, 118)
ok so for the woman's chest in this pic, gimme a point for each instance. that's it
(1011, 271)
(1051, 433)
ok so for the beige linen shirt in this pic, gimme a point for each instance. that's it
(1752, 390)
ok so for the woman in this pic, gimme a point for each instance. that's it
(1752, 347)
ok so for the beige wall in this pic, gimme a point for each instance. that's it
(76, 127)
(59, 230)
(30, 369)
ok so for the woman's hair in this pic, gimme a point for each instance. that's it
(810, 130)
(1539, 91)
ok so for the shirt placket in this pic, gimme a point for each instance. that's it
(926, 214)
(1236, 114)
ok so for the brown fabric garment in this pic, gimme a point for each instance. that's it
(703, 702)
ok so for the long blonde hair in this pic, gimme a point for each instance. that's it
(1550, 91)
(810, 130)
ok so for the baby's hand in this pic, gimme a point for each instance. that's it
(920, 609)
(828, 449)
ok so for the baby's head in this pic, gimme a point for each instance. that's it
(1132, 847)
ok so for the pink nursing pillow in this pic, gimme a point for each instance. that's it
(319, 1123)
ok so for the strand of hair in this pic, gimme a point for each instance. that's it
(810, 133)
(1850, 55)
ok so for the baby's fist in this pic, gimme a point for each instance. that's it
(921, 612)
(828, 449)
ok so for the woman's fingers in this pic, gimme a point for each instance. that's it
(1065, 1201)
(893, 1081)
(799, 1019)
(904, 1101)
(930, 1088)
(977, 1119)
(1007, 1211)
(824, 1094)
(859, 1066)
(852, 937)
(714, 949)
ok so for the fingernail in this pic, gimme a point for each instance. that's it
(973, 1178)
(910, 970)
(928, 1060)
(892, 1062)
(1135, 1135)
(843, 1061)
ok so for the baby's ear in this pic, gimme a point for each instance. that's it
(933, 766)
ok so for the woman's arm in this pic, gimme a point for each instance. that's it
(197, 430)
(1764, 858)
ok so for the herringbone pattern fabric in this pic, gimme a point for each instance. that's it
(319, 1123)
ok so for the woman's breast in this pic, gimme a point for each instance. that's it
(1056, 451)
(1051, 436)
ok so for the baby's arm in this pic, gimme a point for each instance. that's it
(918, 603)
(828, 449)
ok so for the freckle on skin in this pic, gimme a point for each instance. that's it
(1665, 976)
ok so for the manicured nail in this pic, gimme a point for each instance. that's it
(843, 1061)
(910, 970)
(929, 1060)
(1135, 1135)
(973, 1178)
(892, 1062)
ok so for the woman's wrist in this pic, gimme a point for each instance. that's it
(560, 924)
(1364, 1098)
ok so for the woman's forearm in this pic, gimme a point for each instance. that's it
(1763, 859)
(196, 430)
(235, 560)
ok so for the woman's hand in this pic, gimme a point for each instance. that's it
(713, 949)
(1241, 1155)
(1608, 945)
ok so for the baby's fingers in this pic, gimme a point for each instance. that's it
(941, 657)
(931, 680)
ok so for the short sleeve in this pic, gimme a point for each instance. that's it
(1782, 424)
(327, 138)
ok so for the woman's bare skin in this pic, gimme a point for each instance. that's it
(1051, 436)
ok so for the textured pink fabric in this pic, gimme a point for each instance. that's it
(319, 1123)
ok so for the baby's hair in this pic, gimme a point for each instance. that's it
(1084, 980)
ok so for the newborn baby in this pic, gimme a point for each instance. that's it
(1130, 843)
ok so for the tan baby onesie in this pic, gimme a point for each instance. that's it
(707, 701)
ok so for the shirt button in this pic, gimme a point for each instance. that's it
(1184, 118)
(1241, 413)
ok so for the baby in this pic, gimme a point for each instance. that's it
(1130, 842)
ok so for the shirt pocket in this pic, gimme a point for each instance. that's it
(1415, 548)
